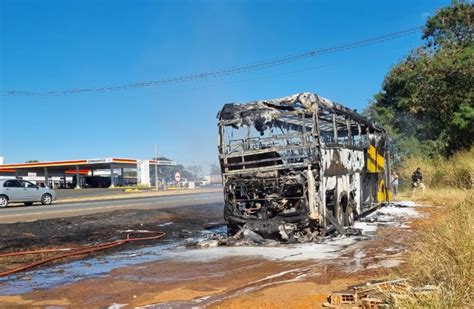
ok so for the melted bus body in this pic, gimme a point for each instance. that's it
(297, 167)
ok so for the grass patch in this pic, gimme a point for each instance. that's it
(436, 197)
(445, 254)
(454, 172)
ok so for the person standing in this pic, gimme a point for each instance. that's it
(417, 180)
(394, 182)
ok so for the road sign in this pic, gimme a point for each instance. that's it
(177, 176)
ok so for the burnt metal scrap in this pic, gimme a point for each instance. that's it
(297, 167)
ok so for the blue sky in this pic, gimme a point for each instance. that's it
(59, 45)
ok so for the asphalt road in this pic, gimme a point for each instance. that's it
(12, 214)
(87, 192)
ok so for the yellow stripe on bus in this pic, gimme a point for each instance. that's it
(380, 161)
(371, 166)
(372, 152)
(375, 162)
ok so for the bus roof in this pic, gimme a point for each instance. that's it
(233, 113)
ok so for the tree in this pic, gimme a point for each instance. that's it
(167, 172)
(426, 101)
(196, 170)
(215, 170)
(452, 25)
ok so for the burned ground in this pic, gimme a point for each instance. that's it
(83, 230)
(282, 276)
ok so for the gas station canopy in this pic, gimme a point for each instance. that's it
(78, 167)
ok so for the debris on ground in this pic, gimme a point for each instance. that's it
(248, 237)
(364, 228)
(379, 294)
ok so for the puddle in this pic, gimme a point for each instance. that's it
(219, 229)
(77, 270)
(100, 266)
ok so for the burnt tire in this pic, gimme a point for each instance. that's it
(3, 201)
(46, 199)
(233, 229)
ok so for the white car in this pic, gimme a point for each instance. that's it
(20, 191)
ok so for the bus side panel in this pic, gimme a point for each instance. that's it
(342, 168)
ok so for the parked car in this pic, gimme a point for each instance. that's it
(21, 191)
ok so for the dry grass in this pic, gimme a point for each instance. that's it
(455, 172)
(445, 255)
(437, 197)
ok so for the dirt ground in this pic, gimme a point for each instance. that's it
(214, 278)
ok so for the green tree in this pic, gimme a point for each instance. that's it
(452, 25)
(167, 172)
(426, 101)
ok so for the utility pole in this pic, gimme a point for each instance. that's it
(156, 170)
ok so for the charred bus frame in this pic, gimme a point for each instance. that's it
(296, 167)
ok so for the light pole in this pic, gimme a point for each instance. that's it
(156, 170)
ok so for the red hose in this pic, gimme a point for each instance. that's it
(77, 251)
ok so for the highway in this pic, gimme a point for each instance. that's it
(20, 213)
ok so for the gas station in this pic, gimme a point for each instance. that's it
(55, 173)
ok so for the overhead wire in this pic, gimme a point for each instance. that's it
(261, 65)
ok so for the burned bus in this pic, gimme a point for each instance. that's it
(298, 167)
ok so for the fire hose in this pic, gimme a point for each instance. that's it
(77, 250)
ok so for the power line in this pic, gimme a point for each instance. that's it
(262, 77)
(261, 65)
